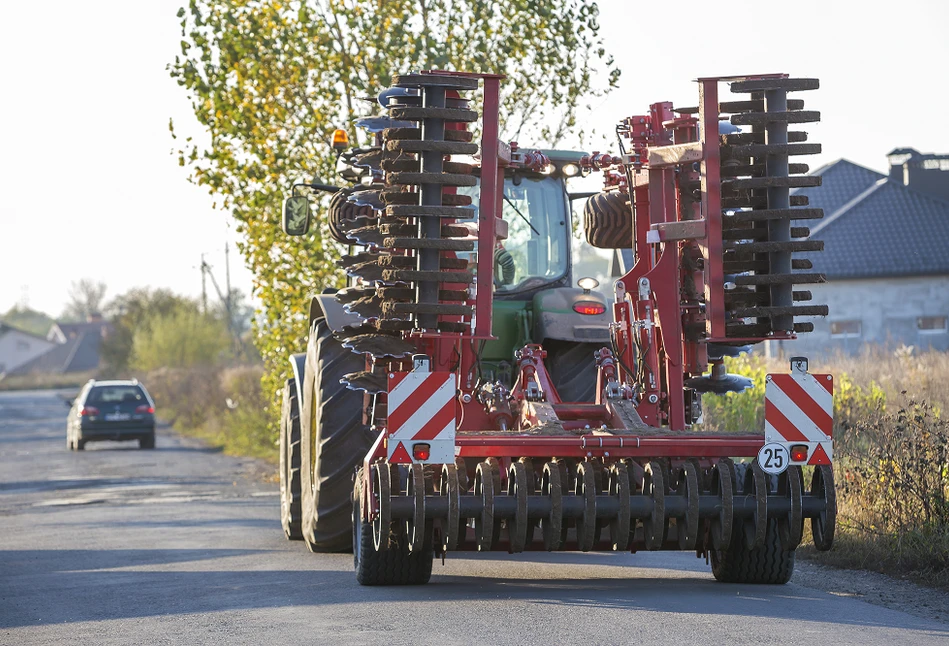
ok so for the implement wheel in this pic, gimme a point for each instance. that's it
(393, 566)
(333, 441)
(769, 563)
(291, 514)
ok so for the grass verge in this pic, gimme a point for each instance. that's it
(224, 407)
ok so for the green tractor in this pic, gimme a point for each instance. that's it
(324, 431)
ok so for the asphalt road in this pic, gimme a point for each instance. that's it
(182, 545)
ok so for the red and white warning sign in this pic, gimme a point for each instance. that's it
(421, 412)
(799, 411)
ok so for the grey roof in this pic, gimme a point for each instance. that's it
(842, 181)
(883, 229)
(78, 354)
(75, 329)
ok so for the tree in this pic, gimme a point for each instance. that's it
(86, 297)
(270, 80)
(131, 312)
(184, 338)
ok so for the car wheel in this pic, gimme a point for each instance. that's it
(147, 442)
(80, 445)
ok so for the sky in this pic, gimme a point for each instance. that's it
(90, 188)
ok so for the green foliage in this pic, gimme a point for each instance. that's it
(28, 320)
(183, 338)
(133, 311)
(738, 412)
(745, 411)
(270, 80)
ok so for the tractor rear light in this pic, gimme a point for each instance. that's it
(589, 307)
(88, 410)
(799, 453)
(421, 451)
(145, 408)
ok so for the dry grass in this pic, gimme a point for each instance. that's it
(891, 446)
(223, 406)
(42, 381)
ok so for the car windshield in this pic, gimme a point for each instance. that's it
(115, 394)
(536, 247)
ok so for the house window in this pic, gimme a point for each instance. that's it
(845, 329)
(933, 324)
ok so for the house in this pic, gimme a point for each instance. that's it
(18, 347)
(886, 255)
(73, 347)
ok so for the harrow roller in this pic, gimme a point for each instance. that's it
(704, 519)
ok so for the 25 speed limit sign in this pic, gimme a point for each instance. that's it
(774, 458)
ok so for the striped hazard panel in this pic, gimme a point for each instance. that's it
(799, 410)
(421, 411)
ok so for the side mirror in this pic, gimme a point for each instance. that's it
(296, 215)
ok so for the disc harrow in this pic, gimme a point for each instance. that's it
(589, 505)
(758, 239)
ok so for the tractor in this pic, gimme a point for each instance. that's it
(459, 393)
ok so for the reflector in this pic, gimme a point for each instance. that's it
(799, 453)
(421, 451)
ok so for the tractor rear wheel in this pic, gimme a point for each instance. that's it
(769, 563)
(333, 441)
(291, 514)
(394, 566)
(572, 368)
(608, 221)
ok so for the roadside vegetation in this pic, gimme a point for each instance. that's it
(198, 365)
(891, 456)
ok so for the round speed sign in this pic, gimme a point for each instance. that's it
(774, 458)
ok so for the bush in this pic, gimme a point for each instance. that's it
(224, 406)
(183, 338)
(893, 485)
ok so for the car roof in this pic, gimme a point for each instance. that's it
(115, 382)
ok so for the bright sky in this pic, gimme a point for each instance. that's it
(90, 188)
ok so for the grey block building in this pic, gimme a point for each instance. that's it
(886, 255)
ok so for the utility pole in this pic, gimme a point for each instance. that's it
(204, 284)
(207, 273)
(227, 278)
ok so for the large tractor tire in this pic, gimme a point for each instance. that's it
(769, 564)
(333, 440)
(572, 368)
(394, 566)
(608, 221)
(341, 213)
(291, 511)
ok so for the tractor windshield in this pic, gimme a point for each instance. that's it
(536, 247)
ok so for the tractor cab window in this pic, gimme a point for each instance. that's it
(535, 250)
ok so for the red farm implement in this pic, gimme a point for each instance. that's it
(462, 456)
